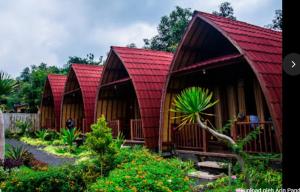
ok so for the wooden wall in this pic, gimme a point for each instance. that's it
(72, 108)
(47, 117)
(118, 105)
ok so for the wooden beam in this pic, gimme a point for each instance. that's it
(72, 91)
(117, 82)
(211, 63)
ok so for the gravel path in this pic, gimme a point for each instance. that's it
(39, 154)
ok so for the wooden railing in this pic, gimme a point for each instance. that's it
(189, 137)
(265, 141)
(136, 129)
(115, 127)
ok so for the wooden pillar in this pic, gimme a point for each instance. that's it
(241, 97)
(258, 100)
(218, 109)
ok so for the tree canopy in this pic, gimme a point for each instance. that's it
(277, 21)
(225, 10)
(170, 30)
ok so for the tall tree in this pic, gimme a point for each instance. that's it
(277, 21)
(225, 10)
(170, 30)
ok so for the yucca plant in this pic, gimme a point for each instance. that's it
(41, 134)
(16, 153)
(69, 136)
(192, 103)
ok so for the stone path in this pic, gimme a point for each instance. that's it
(39, 154)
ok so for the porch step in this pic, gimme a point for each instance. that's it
(204, 175)
(212, 164)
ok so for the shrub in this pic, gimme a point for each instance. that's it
(69, 136)
(24, 127)
(38, 165)
(54, 179)
(140, 170)
(57, 142)
(100, 142)
(10, 163)
(27, 158)
(41, 134)
(51, 136)
(3, 174)
(16, 152)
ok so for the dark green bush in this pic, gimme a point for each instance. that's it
(54, 179)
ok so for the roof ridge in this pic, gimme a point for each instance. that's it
(142, 49)
(241, 22)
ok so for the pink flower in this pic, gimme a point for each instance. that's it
(233, 177)
(239, 190)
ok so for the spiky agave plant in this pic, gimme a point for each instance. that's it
(192, 103)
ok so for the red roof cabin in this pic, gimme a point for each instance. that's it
(241, 64)
(130, 93)
(79, 95)
(51, 101)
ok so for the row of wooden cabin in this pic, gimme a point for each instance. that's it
(239, 62)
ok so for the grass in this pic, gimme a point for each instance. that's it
(34, 141)
(63, 151)
(57, 148)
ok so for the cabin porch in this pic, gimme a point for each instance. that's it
(240, 99)
(118, 103)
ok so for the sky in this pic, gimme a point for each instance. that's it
(49, 31)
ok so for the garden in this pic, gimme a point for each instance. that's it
(102, 163)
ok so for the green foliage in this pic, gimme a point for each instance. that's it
(41, 134)
(140, 170)
(64, 151)
(249, 137)
(192, 101)
(170, 30)
(34, 141)
(3, 174)
(89, 60)
(225, 10)
(69, 136)
(100, 141)
(16, 152)
(31, 83)
(54, 179)
(7, 85)
(51, 135)
(119, 140)
(277, 21)
(24, 127)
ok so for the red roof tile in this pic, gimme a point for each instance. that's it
(148, 70)
(57, 83)
(88, 77)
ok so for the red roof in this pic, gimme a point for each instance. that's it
(262, 49)
(147, 70)
(88, 77)
(57, 83)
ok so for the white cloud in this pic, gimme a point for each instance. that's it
(134, 33)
